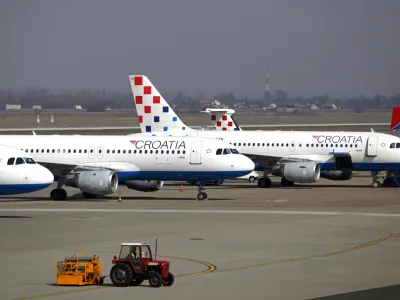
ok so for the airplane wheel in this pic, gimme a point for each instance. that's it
(58, 194)
(201, 196)
(252, 179)
(264, 182)
(376, 184)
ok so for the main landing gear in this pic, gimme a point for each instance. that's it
(59, 193)
(264, 182)
(201, 195)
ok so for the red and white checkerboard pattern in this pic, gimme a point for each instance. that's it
(222, 121)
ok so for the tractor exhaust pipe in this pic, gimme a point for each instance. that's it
(155, 255)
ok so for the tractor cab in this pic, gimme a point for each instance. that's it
(137, 253)
(135, 264)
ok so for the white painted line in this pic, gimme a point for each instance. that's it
(279, 212)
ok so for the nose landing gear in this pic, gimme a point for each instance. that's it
(201, 195)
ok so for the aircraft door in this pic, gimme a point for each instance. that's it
(195, 153)
(372, 146)
(292, 146)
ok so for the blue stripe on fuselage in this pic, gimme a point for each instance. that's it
(176, 175)
(13, 189)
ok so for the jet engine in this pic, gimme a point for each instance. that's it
(337, 175)
(98, 183)
(301, 172)
(144, 185)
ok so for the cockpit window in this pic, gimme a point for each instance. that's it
(227, 151)
(219, 151)
(29, 160)
(395, 145)
(11, 161)
(19, 161)
(234, 151)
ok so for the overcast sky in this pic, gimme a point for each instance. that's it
(337, 47)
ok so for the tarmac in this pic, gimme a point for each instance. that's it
(333, 239)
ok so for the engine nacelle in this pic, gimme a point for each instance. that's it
(94, 182)
(337, 175)
(144, 185)
(301, 172)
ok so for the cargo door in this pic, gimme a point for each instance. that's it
(195, 153)
(372, 146)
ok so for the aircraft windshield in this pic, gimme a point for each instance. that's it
(29, 160)
(226, 151)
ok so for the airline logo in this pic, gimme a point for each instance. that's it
(346, 139)
(159, 145)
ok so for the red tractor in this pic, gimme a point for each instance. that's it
(135, 264)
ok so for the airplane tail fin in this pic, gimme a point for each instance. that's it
(395, 123)
(154, 113)
(222, 119)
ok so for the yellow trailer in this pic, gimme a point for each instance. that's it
(78, 270)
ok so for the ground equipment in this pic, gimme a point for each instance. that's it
(392, 179)
(78, 270)
(136, 264)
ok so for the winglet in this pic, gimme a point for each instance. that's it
(395, 122)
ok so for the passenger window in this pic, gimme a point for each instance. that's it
(11, 161)
(19, 161)
(219, 151)
(356, 145)
(184, 151)
(263, 144)
(234, 144)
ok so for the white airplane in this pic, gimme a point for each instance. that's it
(20, 174)
(96, 164)
(296, 156)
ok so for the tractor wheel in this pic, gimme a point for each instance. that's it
(155, 280)
(170, 280)
(136, 281)
(121, 275)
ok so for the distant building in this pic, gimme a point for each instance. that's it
(13, 106)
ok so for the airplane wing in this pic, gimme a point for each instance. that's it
(344, 159)
(63, 169)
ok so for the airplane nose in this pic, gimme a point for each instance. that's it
(44, 176)
(245, 164)
(249, 164)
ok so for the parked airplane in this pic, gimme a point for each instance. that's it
(95, 164)
(20, 173)
(296, 156)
